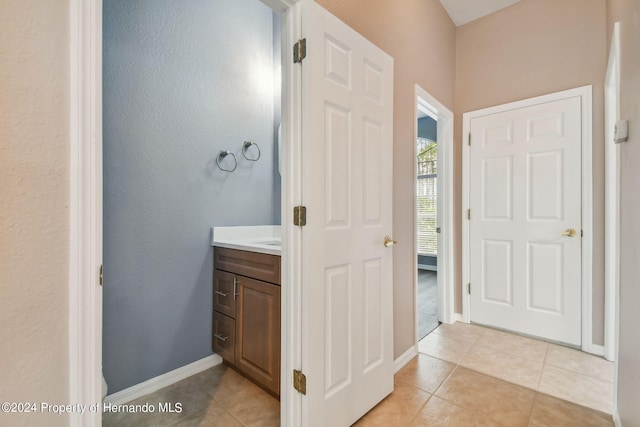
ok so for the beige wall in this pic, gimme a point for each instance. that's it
(420, 37)
(533, 48)
(628, 13)
(34, 199)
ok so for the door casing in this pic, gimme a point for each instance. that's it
(585, 94)
(612, 199)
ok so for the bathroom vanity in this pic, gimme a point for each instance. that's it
(246, 302)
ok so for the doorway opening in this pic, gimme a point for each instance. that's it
(433, 210)
(427, 217)
(171, 107)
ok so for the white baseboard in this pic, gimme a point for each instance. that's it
(161, 381)
(616, 417)
(598, 350)
(405, 358)
(458, 317)
(427, 267)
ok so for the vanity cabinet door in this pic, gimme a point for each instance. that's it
(224, 336)
(258, 332)
(224, 300)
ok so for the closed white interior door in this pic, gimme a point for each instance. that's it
(347, 352)
(525, 198)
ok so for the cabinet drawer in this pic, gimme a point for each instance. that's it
(224, 336)
(250, 264)
(224, 299)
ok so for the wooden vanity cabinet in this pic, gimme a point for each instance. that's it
(246, 318)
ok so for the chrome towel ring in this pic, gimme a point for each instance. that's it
(246, 146)
(221, 155)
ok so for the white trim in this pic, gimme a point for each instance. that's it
(85, 208)
(595, 349)
(585, 93)
(616, 416)
(405, 358)
(291, 189)
(427, 267)
(612, 196)
(423, 100)
(459, 318)
(161, 381)
(85, 256)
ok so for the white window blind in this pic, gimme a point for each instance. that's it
(427, 197)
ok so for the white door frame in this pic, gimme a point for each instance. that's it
(85, 210)
(445, 208)
(585, 93)
(612, 197)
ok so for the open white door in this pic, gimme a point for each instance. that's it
(347, 321)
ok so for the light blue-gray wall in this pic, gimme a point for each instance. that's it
(182, 81)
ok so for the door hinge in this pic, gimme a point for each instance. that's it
(299, 50)
(100, 276)
(469, 289)
(469, 139)
(438, 230)
(300, 216)
(581, 233)
(300, 382)
(469, 214)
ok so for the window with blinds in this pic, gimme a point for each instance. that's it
(427, 197)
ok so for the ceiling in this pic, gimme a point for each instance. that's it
(464, 11)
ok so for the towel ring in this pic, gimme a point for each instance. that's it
(221, 155)
(246, 146)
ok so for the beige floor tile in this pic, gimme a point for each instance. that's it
(424, 372)
(580, 362)
(252, 406)
(514, 369)
(527, 348)
(397, 409)
(440, 413)
(460, 331)
(553, 412)
(444, 348)
(577, 388)
(187, 393)
(507, 403)
(220, 381)
(214, 416)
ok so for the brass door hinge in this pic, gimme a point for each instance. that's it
(300, 382)
(299, 51)
(300, 216)
(100, 276)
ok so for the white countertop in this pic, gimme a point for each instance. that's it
(265, 239)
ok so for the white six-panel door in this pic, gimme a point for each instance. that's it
(525, 197)
(347, 352)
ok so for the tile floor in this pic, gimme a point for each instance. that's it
(217, 397)
(468, 375)
(548, 368)
(465, 375)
